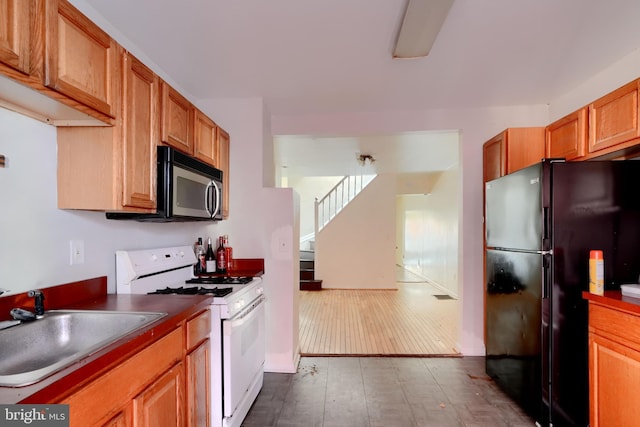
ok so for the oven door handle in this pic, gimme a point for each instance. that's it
(244, 316)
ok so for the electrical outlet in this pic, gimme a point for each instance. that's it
(76, 252)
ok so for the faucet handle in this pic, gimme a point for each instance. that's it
(23, 315)
(39, 301)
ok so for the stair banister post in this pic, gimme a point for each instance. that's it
(315, 225)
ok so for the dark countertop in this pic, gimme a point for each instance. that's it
(241, 267)
(91, 294)
(615, 299)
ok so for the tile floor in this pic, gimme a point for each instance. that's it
(384, 392)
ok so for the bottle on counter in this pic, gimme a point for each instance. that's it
(596, 272)
(210, 258)
(221, 256)
(200, 265)
(229, 252)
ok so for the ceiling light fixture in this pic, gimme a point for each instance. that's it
(420, 27)
(365, 159)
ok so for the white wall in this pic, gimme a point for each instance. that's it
(356, 250)
(431, 232)
(262, 221)
(34, 248)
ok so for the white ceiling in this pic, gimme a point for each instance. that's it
(411, 152)
(335, 55)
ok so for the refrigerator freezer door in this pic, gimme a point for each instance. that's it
(513, 212)
(513, 325)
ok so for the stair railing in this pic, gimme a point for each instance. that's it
(338, 197)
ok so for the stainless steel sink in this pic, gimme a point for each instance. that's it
(34, 350)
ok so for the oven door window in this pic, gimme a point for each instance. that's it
(190, 194)
(243, 342)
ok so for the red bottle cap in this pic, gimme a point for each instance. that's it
(596, 254)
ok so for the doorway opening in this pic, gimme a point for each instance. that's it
(367, 305)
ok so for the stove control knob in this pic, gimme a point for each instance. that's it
(239, 304)
(259, 290)
(154, 257)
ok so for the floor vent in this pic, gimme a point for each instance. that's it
(443, 296)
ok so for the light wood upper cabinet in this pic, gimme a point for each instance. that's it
(79, 57)
(177, 120)
(567, 137)
(224, 149)
(113, 168)
(140, 122)
(512, 150)
(205, 146)
(495, 163)
(15, 26)
(613, 119)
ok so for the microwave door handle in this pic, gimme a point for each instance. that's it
(207, 197)
(217, 199)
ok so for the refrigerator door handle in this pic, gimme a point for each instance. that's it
(546, 226)
(546, 273)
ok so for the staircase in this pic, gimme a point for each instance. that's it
(325, 210)
(338, 198)
(308, 282)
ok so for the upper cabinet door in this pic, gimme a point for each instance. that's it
(567, 137)
(223, 164)
(206, 147)
(177, 120)
(79, 57)
(613, 119)
(494, 158)
(141, 129)
(15, 30)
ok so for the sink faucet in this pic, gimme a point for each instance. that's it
(39, 302)
(26, 315)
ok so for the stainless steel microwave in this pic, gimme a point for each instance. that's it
(187, 190)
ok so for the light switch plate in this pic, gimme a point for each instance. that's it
(76, 252)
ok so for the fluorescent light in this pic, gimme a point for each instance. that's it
(420, 27)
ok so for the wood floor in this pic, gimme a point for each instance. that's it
(410, 321)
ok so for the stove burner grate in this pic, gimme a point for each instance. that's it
(217, 292)
(228, 280)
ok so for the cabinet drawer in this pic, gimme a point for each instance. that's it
(106, 396)
(625, 327)
(198, 329)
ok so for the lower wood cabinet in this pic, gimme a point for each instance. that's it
(614, 366)
(167, 384)
(198, 370)
(161, 403)
(124, 393)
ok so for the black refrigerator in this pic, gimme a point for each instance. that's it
(541, 222)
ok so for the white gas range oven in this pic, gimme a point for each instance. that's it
(237, 316)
